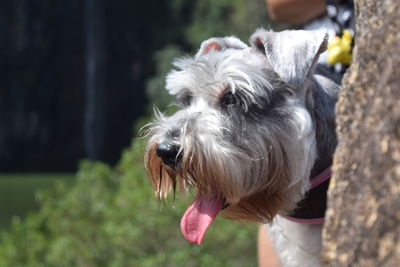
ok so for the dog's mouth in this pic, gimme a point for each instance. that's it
(199, 216)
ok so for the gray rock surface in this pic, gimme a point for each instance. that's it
(363, 217)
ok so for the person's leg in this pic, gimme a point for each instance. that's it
(266, 253)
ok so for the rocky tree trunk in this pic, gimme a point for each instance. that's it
(363, 217)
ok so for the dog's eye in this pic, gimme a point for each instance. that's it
(186, 100)
(229, 99)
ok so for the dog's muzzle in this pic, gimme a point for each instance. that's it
(170, 154)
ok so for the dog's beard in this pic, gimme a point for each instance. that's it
(251, 188)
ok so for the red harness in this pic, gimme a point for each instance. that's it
(311, 210)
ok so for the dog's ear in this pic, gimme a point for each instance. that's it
(219, 44)
(293, 53)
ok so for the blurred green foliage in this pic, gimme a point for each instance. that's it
(17, 192)
(110, 218)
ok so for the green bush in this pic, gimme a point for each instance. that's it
(110, 217)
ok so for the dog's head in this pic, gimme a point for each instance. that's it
(243, 139)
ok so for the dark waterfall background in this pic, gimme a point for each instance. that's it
(76, 75)
(72, 78)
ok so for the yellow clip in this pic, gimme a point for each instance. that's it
(339, 49)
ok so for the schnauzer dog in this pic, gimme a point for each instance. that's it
(254, 134)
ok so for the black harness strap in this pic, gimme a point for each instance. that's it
(312, 208)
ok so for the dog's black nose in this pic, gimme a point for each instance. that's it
(169, 153)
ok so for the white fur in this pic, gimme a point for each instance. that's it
(297, 244)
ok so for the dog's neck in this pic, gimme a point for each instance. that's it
(320, 102)
(324, 96)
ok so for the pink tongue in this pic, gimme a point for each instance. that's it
(198, 217)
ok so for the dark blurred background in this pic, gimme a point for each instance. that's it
(72, 78)
(75, 75)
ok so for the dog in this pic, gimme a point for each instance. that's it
(255, 131)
